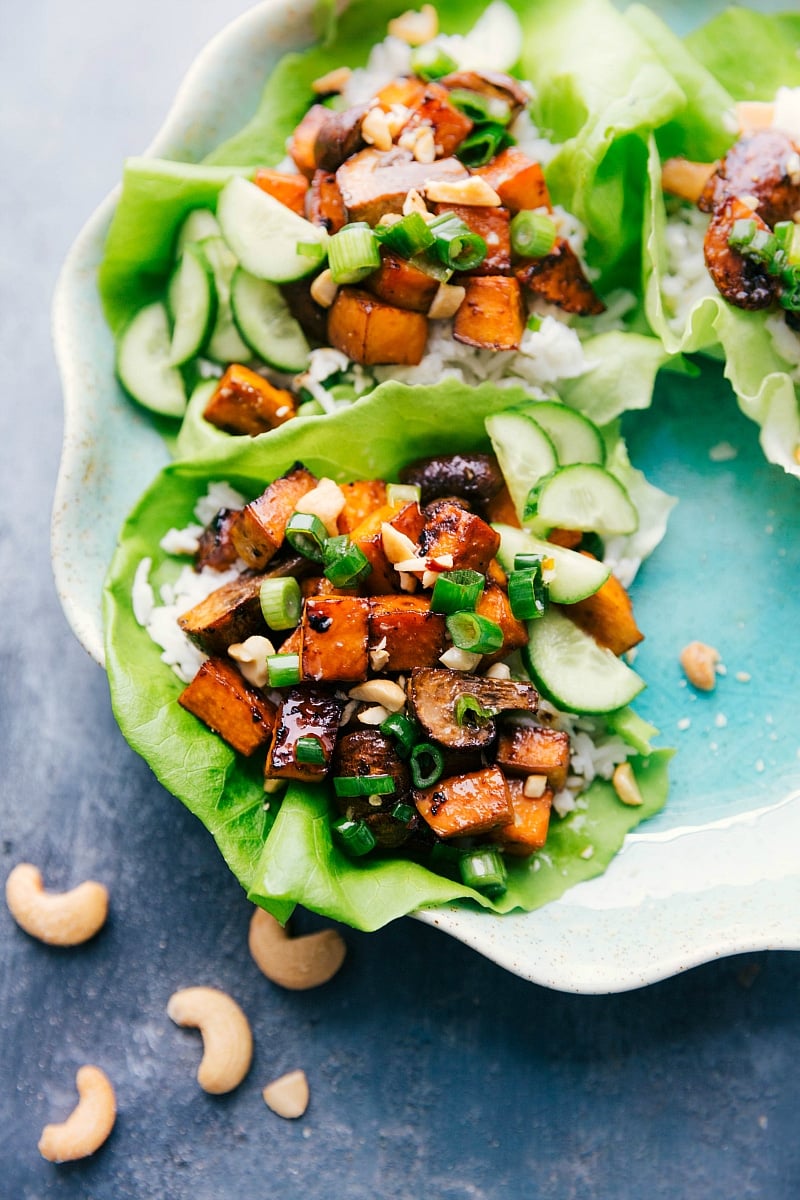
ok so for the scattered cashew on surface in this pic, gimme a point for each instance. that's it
(295, 963)
(89, 1123)
(288, 1096)
(57, 918)
(227, 1039)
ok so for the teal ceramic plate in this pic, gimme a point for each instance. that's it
(717, 872)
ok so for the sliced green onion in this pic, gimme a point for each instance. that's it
(469, 711)
(308, 249)
(429, 61)
(750, 239)
(790, 294)
(356, 837)
(431, 265)
(485, 871)
(403, 493)
(456, 245)
(470, 631)
(529, 560)
(445, 860)
(404, 813)
(307, 534)
(532, 234)
(426, 763)
(345, 563)
(353, 253)
(533, 322)
(283, 670)
(404, 730)
(308, 749)
(742, 233)
(281, 602)
(455, 591)
(408, 236)
(363, 785)
(481, 146)
(481, 108)
(527, 594)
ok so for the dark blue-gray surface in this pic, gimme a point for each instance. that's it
(432, 1072)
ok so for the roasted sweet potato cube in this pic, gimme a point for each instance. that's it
(302, 144)
(558, 277)
(608, 617)
(492, 314)
(534, 750)
(570, 539)
(407, 91)
(500, 510)
(494, 226)
(244, 402)
(293, 644)
(451, 529)
(407, 519)
(304, 712)
(226, 703)
(450, 126)
(335, 638)
(494, 605)
(404, 633)
(318, 585)
(530, 821)
(324, 203)
(230, 614)
(215, 547)
(397, 281)
(370, 332)
(518, 180)
(289, 189)
(260, 531)
(681, 177)
(466, 805)
(361, 497)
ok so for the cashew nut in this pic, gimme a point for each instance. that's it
(287, 1096)
(296, 963)
(58, 918)
(89, 1123)
(227, 1040)
(699, 663)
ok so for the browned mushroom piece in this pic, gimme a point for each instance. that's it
(741, 280)
(493, 84)
(339, 137)
(433, 694)
(473, 477)
(763, 165)
(374, 182)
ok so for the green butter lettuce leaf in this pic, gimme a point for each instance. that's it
(283, 854)
(750, 53)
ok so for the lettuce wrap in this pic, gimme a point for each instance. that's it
(283, 854)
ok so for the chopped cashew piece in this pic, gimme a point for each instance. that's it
(57, 918)
(420, 142)
(446, 302)
(227, 1040)
(287, 1096)
(294, 963)
(380, 691)
(374, 716)
(699, 663)
(460, 660)
(323, 289)
(414, 28)
(499, 670)
(375, 129)
(325, 501)
(753, 115)
(474, 190)
(414, 203)
(251, 655)
(535, 786)
(88, 1125)
(396, 545)
(335, 81)
(625, 785)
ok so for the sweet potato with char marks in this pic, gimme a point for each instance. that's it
(407, 519)
(215, 547)
(534, 750)
(451, 529)
(324, 203)
(246, 403)
(289, 189)
(397, 281)
(494, 605)
(526, 832)
(361, 497)
(501, 510)
(492, 315)
(303, 141)
(371, 332)
(335, 638)
(518, 180)
(261, 529)
(493, 225)
(407, 632)
(374, 182)
(223, 700)
(608, 617)
(741, 280)
(465, 805)
(450, 126)
(304, 712)
(558, 278)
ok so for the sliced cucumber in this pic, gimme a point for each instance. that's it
(573, 671)
(263, 319)
(575, 437)
(524, 451)
(584, 496)
(144, 367)
(192, 304)
(574, 576)
(199, 225)
(225, 344)
(264, 234)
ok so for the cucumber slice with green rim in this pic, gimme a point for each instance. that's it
(524, 452)
(192, 304)
(264, 234)
(575, 437)
(263, 319)
(225, 345)
(573, 671)
(199, 225)
(583, 496)
(574, 576)
(143, 363)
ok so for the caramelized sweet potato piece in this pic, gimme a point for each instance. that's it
(534, 750)
(260, 531)
(369, 331)
(474, 477)
(324, 203)
(407, 90)
(366, 752)
(289, 189)
(374, 182)
(216, 548)
(681, 177)
(741, 280)
(339, 136)
(408, 519)
(361, 497)
(434, 691)
(223, 700)
(501, 510)
(407, 631)
(293, 644)
(494, 226)
(246, 403)
(233, 612)
(492, 315)
(518, 180)
(530, 821)
(494, 605)
(558, 278)
(304, 712)
(450, 126)
(570, 539)
(451, 529)
(335, 638)
(757, 165)
(608, 617)
(466, 805)
(302, 144)
(398, 281)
